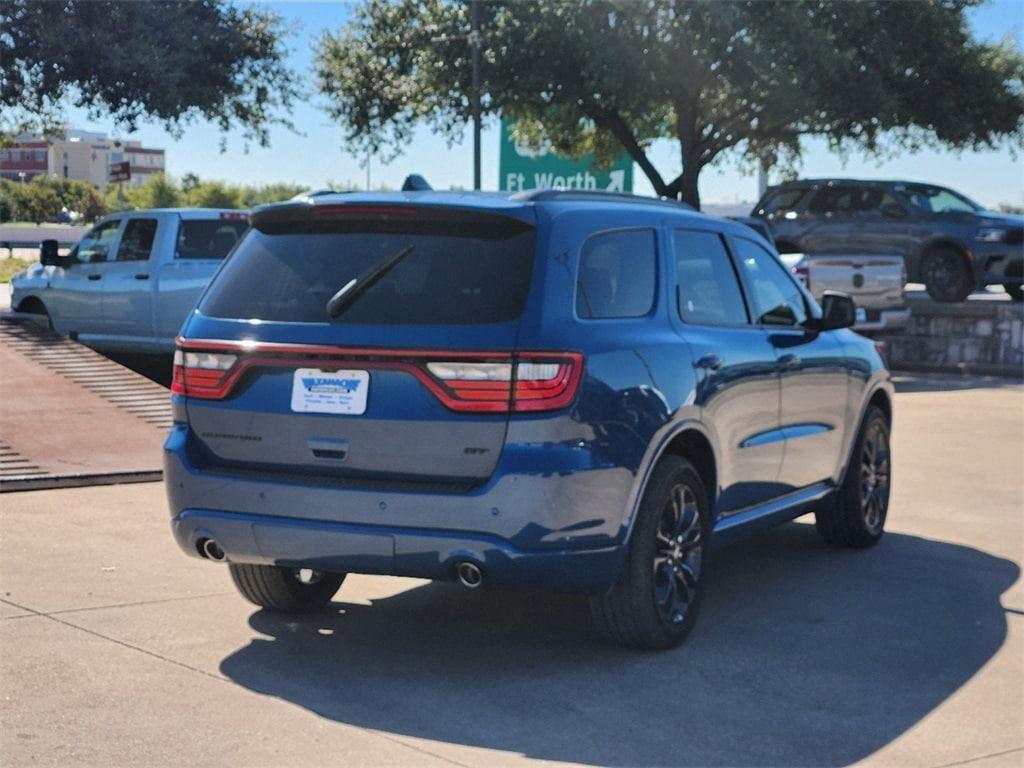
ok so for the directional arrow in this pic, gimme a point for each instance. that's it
(618, 182)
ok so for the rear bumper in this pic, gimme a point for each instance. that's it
(558, 529)
(887, 320)
(389, 551)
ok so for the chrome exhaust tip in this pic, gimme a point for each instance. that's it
(211, 550)
(469, 574)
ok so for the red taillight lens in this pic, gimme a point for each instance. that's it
(541, 383)
(499, 382)
(201, 374)
(804, 275)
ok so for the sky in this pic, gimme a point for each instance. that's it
(317, 155)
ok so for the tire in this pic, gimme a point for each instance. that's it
(947, 275)
(1015, 290)
(285, 589)
(656, 599)
(855, 517)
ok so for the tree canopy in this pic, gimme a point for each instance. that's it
(726, 77)
(170, 61)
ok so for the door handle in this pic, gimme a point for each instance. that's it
(786, 362)
(710, 362)
(142, 276)
(95, 277)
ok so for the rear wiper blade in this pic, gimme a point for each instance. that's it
(355, 287)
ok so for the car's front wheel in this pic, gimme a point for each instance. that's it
(947, 275)
(289, 590)
(855, 516)
(655, 601)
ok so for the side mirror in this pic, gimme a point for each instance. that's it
(48, 254)
(838, 310)
(893, 211)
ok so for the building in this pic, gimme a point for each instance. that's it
(81, 155)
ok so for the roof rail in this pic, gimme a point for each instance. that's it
(545, 195)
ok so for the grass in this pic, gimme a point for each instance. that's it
(9, 266)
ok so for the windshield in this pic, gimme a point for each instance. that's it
(939, 199)
(450, 275)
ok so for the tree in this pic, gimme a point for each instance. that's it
(740, 78)
(94, 205)
(215, 194)
(170, 61)
(270, 193)
(28, 202)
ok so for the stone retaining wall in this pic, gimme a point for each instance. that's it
(985, 337)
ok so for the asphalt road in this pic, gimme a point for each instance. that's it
(115, 649)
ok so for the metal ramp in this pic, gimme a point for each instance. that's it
(69, 416)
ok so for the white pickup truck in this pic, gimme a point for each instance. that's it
(876, 283)
(131, 281)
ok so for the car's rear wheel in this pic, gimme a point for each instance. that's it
(655, 601)
(855, 516)
(947, 275)
(289, 590)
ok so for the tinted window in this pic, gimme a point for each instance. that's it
(96, 244)
(775, 295)
(836, 199)
(617, 275)
(208, 238)
(781, 201)
(454, 275)
(137, 240)
(708, 291)
(939, 200)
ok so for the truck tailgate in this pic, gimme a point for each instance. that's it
(874, 282)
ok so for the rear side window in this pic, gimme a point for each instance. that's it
(454, 275)
(617, 275)
(709, 293)
(782, 201)
(208, 238)
(137, 240)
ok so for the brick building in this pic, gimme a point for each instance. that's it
(81, 155)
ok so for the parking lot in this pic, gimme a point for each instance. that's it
(118, 650)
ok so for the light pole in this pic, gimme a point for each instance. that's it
(474, 43)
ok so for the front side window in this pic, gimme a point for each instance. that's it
(137, 241)
(95, 246)
(708, 291)
(208, 238)
(776, 298)
(617, 273)
(940, 200)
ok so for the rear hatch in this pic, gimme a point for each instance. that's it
(411, 383)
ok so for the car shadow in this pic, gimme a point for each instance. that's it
(907, 382)
(803, 656)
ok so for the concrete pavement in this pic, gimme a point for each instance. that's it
(116, 649)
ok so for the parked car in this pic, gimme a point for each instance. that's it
(949, 242)
(558, 390)
(877, 284)
(129, 283)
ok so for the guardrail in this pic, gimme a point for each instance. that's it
(11, 245)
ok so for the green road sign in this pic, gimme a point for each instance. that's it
(521, 167)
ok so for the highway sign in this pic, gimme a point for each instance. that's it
(521, 167)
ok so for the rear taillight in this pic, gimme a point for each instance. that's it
(463, 381)
(531, 383)
(201, 374)
(803, 275)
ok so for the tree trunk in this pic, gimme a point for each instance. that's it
(688, 191)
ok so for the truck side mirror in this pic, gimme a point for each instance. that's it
(838, 310)
(48, 254)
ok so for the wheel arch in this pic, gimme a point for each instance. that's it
(32, 304)
(927, 247)
(690, 440)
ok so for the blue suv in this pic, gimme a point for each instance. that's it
(554, 390)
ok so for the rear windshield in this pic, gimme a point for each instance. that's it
(454, 275)
(208, 238)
